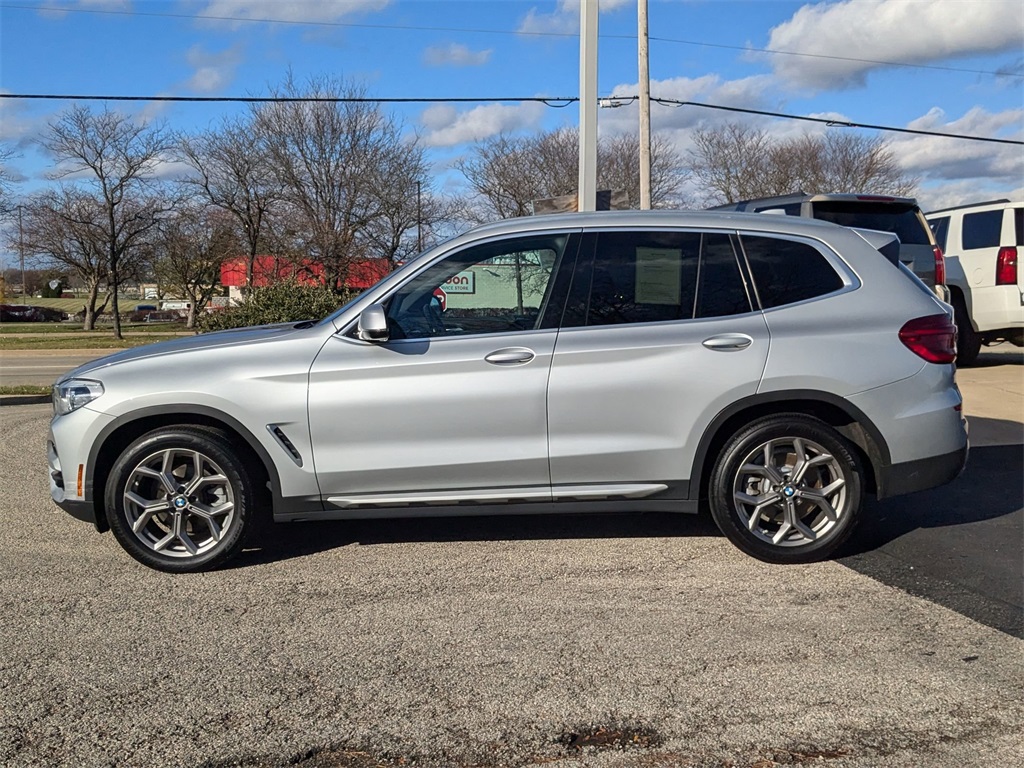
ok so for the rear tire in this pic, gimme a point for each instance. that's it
(968, 341)
(180, 499)
(787, 489)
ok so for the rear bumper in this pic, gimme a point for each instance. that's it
(921, 474)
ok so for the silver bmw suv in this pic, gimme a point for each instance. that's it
(772, 369)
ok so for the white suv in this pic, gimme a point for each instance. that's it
(982, 243)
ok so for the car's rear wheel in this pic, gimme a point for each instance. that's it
(787, 489)
(968, 341)
(179, 499)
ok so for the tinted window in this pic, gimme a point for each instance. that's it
(491, 288)
(644, 277)
(786, 271)
(720, 290)
(981, 230)
(901, 219)
(940, 228)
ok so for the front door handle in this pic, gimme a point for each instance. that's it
(510, 356)
(728, 342)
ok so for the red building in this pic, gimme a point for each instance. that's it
(270, 269)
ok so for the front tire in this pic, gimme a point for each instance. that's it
(180, 499)
(787, 489)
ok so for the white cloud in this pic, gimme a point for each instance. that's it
(748, 92)
(565, 19)
(213, 71)
(942, 160)
(889, 31)
(456, 55)
(447, 127)
(314, 11)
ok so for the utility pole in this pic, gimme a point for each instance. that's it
(587, 196)
(21, 252)
(419, 219)
(645, 107)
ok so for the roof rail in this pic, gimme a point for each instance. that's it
(968, 205)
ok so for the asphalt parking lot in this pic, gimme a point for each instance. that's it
(599, 641)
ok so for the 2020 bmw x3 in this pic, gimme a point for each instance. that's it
(772, 369)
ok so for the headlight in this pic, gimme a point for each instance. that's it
(72, 394)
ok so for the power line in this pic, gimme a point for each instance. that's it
(484, 31)
(557, 102)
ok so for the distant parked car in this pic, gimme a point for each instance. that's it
(22, 313)
(774, 369)
(900, 215)
(983, 243)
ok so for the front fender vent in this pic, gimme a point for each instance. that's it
(285, 443)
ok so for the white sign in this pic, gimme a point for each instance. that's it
(464, 282)
(658, 275)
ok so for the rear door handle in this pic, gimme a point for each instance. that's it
(510, 356)
(728, 342)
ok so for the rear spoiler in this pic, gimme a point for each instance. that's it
(886, 243)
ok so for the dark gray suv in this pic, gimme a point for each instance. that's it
(900, 215)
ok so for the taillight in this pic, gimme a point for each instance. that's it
(940, 266)
(1006, 266)
(932, 338)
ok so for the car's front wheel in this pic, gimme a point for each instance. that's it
(787, 489)
(179, 499)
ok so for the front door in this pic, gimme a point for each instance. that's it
(451, 409)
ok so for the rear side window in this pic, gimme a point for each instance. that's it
(791, 209)
(940, 228)
(900, 219)
(646, 277)
(982, 230)
(786, 271)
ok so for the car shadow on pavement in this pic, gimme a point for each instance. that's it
(290, 540)
(990, 487)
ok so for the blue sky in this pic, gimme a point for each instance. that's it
(940, 65)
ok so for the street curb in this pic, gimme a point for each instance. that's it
(23, 400)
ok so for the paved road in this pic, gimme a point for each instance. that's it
(515, 642)
(42, 367)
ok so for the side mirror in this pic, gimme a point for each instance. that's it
(373, 324)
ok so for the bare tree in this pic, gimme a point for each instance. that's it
(118, 158)
(60, 225)
(618, 169)
(235, 175)
(7, 153)
(736, 162)
(330, 157)
(410, 217)
(188, 249)
(508, 173)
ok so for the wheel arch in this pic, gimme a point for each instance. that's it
(120, 433)
(835, 411)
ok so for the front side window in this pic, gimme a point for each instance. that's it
(982, 230)
(649, 276)
(491, 288)
(787, 271)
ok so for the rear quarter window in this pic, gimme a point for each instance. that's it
(786, 271)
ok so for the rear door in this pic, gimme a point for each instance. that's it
(659, 335)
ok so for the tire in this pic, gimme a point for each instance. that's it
(771, 508)
(180, 499)
(968, 341)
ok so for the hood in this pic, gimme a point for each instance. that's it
(228, 338)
